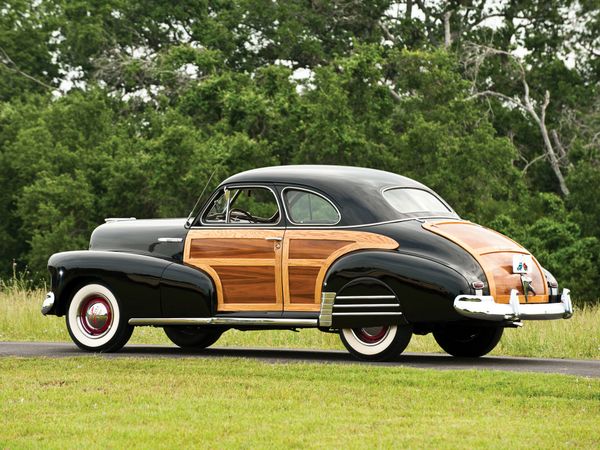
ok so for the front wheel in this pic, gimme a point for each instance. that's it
(94, 320)
(192, 337)
(378, 343)
(468, 340)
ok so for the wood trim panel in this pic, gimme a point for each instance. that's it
(225, 247)
(254, 284)
(311, 253)
(313, 249)
(253, 264)
(493, 259)
(242, 278)
(302, 281)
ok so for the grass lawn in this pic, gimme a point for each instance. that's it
(93, 402)
(578, 337)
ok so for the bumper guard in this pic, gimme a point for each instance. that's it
(48, 303)
(484, 307)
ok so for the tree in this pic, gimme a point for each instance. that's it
(474, 58)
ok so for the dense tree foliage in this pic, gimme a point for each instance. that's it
(122, 108)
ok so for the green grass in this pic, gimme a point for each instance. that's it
(94, 402)
(578, 337)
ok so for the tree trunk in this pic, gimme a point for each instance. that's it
(553, 160)
(447, 35)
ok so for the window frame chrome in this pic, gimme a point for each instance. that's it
(230, 187)
(318, 194)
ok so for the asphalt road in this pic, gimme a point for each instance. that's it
(588, 368)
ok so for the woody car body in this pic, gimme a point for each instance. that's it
(368, 254)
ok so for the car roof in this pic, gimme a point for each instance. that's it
(356, 191)
(323, 176)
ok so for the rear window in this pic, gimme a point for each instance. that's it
(307, 208)
(409, 200)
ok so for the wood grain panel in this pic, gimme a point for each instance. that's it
(245, 267)
(231, 247)
(302, 283)
(476, 236)
(494, 252)
(500, 267)
(314, 249)
(247, 284)
(329, 245)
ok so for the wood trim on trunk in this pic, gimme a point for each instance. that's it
(489, 257)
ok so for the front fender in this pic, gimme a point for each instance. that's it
(134, 279)
(425, 288)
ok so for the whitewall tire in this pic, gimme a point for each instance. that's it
(94, 320)
(378, 343)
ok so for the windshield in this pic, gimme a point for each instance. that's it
(410, 200)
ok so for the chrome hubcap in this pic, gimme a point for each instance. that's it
(95, 316)
(371, 335)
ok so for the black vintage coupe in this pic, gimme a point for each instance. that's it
(367, 254)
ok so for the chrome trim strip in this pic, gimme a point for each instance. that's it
(118, 219)
(369, 305)
(312, 192)
(241, 225)
(368, 314)
(484, 307)
(325, 316)
(366, 297)
(170, 239)
(233, 321)
(337, 227)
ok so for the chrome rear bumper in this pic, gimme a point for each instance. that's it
(484, 307)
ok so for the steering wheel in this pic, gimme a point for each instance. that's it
(244, 215)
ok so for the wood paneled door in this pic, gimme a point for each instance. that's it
(307, 254)
(245, 265)
(269, 270)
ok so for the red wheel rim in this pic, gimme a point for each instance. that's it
(95, 316)
(371, 335)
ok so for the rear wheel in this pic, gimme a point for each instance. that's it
(378, 343)
(94, 320)
(468, 340)
(193, 337)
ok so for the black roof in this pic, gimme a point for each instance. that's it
(357, 191)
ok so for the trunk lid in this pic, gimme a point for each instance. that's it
(494, 252)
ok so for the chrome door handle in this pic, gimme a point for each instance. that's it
(277, 239)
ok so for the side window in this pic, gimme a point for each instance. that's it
(310, 209)
(244, 205)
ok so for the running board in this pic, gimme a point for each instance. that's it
(232, 321)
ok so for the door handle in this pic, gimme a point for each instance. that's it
(275, 238)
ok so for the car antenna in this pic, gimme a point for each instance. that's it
(187, 221)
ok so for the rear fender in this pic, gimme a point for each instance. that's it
(424, 288)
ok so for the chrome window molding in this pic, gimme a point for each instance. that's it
(294, 188)
(337, 227)
(240, 225)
